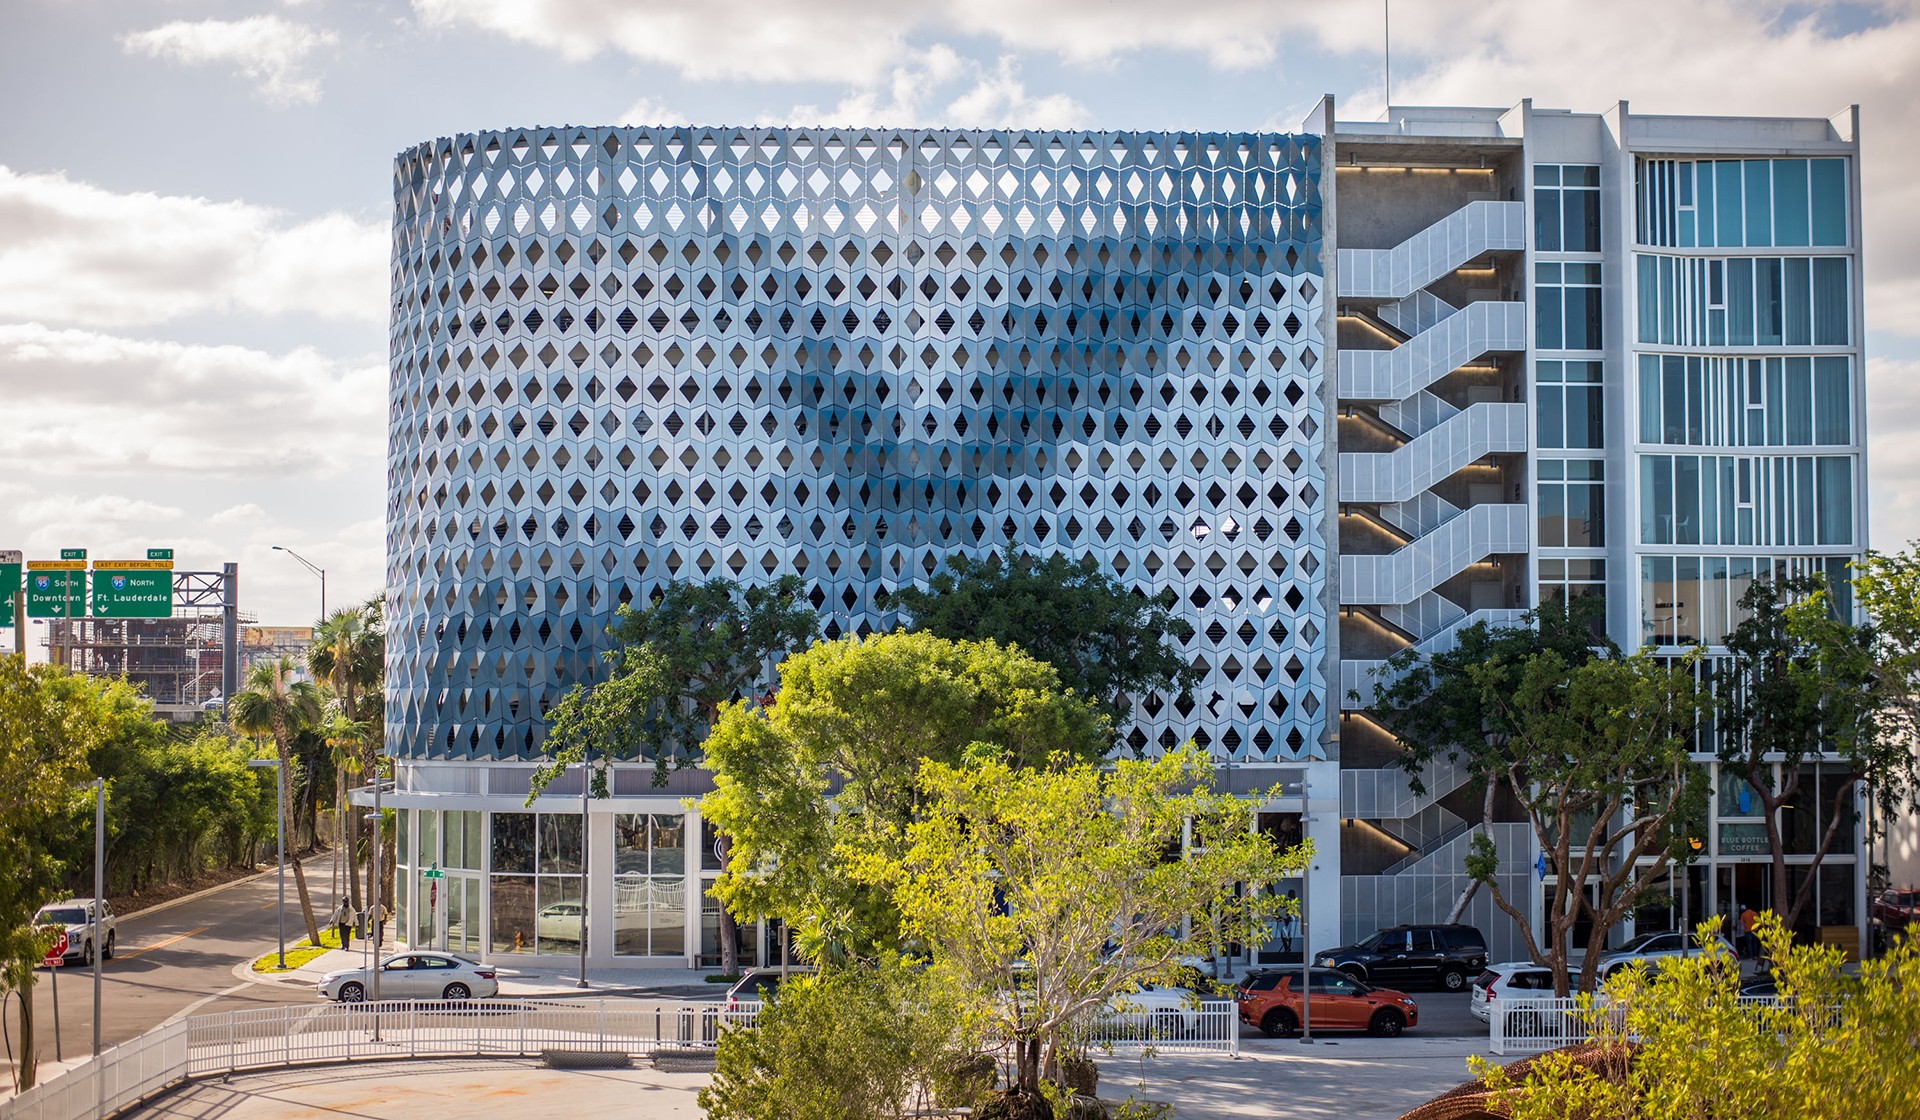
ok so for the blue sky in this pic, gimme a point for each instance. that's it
(194, 193)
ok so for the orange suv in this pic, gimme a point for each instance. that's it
(1269, 998)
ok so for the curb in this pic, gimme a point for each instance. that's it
(195, 896)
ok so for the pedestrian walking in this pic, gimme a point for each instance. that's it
(1749, 942)
(342, 923)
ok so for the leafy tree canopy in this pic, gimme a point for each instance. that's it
(716, 642)
(1107, 642)
(1042, 895)
(805, 786)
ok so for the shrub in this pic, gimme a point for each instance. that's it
(857, 1043)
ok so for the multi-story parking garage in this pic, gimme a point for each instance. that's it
(1339, 392)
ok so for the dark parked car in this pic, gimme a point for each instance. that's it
(758, 986)
(1443, 956)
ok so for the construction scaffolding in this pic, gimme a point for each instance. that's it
(187, 664)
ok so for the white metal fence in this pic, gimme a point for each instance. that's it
(1529, 1025)
(226, 1042)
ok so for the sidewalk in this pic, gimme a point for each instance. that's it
(557, 980)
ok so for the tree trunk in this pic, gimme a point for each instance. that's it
(306, 901)
(29, 1060)
(352, 842)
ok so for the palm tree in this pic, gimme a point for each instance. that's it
(274, 703)
(349, 654)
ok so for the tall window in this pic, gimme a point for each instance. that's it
(1567, 306)
(1745, 402)
(649, 885)
(1569, 404)
(1746, 500)
(1566, 208)
(1572, 511)
(1733, 203)
(536, 883)
(1743, 301)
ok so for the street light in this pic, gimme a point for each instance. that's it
(316, 570)
(280, 836)
(1306, 943)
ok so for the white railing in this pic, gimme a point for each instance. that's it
(1405, 575)
(1477, 228)
(1465, 437)
(127, 1073)
(232, 1041)
(1393, 375)
(1522, 1025)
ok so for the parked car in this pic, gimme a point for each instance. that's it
(1894, 910)
(1441, 956)
(1270, 998)
(559, 921)
(1653, 948)
(1165, 1005)
(414, 976)
(759, 985)
(1511, 980)
(84, 929)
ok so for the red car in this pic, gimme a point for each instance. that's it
(1893, 910)
(1269, 998)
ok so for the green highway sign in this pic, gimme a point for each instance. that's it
(56, 592)
(73, 554)
(132, 593)
(159, 553)
(11, 562)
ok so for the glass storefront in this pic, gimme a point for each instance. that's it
(649, 885)
(535, 883)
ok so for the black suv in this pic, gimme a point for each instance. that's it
(1445, 956)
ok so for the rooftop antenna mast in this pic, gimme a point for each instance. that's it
(1386, 8)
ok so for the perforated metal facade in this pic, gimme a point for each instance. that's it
(627, 356)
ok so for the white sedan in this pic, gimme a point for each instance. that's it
(1162, 1004)
(414, 976)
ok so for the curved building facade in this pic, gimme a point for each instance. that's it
(623, 357)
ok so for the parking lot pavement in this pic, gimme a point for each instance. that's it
(1356, 1078)
(1365, 1079)
(435, 1090)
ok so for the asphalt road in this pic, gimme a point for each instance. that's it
(166, 962)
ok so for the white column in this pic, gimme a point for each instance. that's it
(1322, 886)
(695, 858)
(599, 837)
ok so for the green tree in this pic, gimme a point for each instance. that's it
(1887, 587)
(348, 654)
(1796, 690)
(716, 641)
(274, 703)
(1597, 755)
(807, 786)
(1686, 1047)
(865, 1042)
(46, 727)
(1107, 643)
(616, 719)
(1044, 894)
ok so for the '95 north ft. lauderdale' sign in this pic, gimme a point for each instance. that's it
(132, 588)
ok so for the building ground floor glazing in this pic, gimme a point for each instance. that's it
(483, 873)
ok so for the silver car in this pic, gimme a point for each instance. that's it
(85, 927)
(413, 976)
(1655, 948)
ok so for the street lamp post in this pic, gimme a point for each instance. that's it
(1306, 936)
(280, 837)
(99, 900)
(316, 570)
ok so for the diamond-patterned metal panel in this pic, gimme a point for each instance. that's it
(628, 356)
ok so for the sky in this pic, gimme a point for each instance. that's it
(195, 194)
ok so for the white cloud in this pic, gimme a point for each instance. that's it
(73, 252)
(268, 50)
(860, 41)
(1893, 454)
(246, 513)
(645, 112)
(98, 404)
(914, 91)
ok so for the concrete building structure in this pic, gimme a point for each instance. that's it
(1340, 392)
